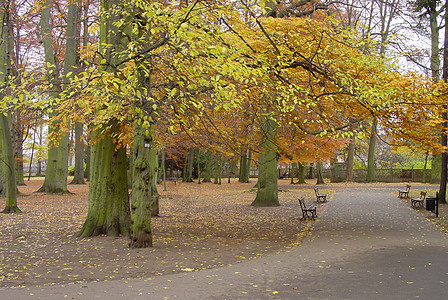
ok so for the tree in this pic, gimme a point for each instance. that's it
(57, 167)
(8, 166)
(109, 211)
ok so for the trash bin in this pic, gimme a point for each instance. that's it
(431, 203)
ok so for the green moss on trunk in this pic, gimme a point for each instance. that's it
(267, 192)
(108, 193)
(141, 204)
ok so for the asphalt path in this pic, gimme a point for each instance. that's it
(365, 244)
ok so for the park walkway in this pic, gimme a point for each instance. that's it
(366, 244)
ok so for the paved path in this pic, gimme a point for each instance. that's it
(366, 244)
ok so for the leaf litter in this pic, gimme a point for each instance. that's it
(199, 227)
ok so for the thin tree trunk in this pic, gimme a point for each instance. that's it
(444, 138)
(350, 157)
(371, 156)
(301, 173)
(208, 167)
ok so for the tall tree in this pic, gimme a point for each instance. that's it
(109, 211)
(57, 167)
(7, 163)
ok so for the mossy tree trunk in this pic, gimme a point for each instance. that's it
(109, 210)
(208, 167)
(57, 167)
(245, 162)
(154, 169)
(7, 163)
(141, 203)
(218, 169)
(301, 173)
(78, 177)
(108, 192)
(267, 192)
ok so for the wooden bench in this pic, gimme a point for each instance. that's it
(172, 179)
(418, 202)
(404, 193)
(320, 197)
(307, 213)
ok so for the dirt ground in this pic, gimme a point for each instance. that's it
(200, 226)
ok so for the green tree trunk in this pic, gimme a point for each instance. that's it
(371, 156)
(267, 192)
(154, 169)
(350, 156)
(218, 169)
(243, 167)
(141, 203)
(57, 167)
(7, 163)
(78, 177)
(109, 210)
(163, 169)
(208, 167)
(245, 163)
(108, 192)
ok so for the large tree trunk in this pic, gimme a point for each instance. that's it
(7, 163)
(267, 192)
(108, 192)
(109, 211)
(301, 173)
(57, 167)
(141, 204)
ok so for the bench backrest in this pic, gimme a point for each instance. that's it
(422, 195)
(302, 203)
(316, 190)
(408, 187)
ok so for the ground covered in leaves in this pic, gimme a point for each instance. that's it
(200, 226)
